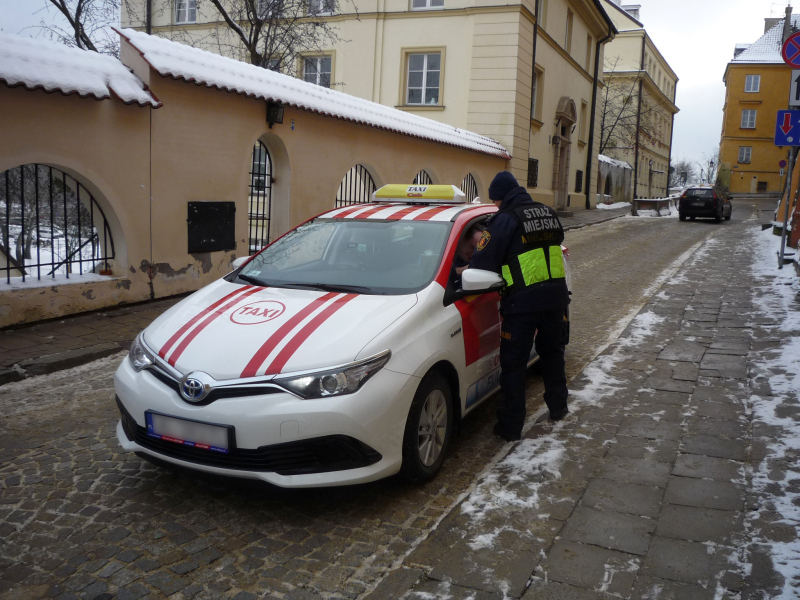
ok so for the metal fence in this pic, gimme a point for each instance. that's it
(260, 197)
(50, 224)
(469, 187)
(423, 178)
(356, 187)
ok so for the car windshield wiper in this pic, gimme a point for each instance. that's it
(329, 287)
(252, 280)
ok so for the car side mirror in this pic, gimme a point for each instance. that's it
(478, 281)
(239, 262)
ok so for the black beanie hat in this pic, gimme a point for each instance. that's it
(502, 183)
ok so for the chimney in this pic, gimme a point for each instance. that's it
(787, 24)
(770, 22)
(632, 10)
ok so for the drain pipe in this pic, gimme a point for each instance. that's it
(592, 119)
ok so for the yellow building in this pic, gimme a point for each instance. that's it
(757, 86)
(466, 64)
(643, 136)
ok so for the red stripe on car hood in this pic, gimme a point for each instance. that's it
(294, 344)
(276, 338)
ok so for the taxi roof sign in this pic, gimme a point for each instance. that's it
(422, 194)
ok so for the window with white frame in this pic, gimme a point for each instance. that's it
(317, 69)
(745, 152)
(426, 4)
(423, 80)
(186, 11)
(752, 83)
(748, 119)
(321, 7)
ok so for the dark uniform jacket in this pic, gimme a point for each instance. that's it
(503, 240)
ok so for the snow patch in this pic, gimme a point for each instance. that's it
(614, 206)
(54, 67)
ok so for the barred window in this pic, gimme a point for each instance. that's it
(533, 173)
(578, 182)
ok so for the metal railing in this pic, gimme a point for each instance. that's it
(422, 178)
(260, 197)
(469, 187)
(356, 187)
(50, 223)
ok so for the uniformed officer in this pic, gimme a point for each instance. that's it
(522, 242)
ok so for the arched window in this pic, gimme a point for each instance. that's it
(422, 178)
(469, 187)
(260, 197)
(50, 224)
(356, 187)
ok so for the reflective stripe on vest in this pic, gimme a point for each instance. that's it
(533, 266)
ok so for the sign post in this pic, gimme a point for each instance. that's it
(789, 125)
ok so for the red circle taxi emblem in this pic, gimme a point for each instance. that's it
(257, 312)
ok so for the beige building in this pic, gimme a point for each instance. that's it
(140, 176)
(643, 134)
(470, 66)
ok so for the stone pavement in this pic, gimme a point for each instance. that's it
(62, 343)
(648, 489)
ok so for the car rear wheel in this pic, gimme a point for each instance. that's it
(718, 218)
(428, 429)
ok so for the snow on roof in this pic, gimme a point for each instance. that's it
(42, 64)
(613, 161)
(767, 48)
(179, 61)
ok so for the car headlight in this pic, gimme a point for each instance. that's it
(335, 382)
(139, 355)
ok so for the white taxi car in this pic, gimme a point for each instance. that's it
(342, 353)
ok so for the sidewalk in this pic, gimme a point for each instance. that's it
(583, 218)
(674, 478)
(54, 345)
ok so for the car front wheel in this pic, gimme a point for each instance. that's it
(428, 429)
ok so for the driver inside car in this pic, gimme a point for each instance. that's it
(464, 252)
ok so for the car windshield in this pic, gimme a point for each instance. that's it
(700, 193)
(352, 255)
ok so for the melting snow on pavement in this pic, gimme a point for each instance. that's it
(775, 479)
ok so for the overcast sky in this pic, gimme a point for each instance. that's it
(696, 37)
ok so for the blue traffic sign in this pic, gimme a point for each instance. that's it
(787, 129)
(791, 50)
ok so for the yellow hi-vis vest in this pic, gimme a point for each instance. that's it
(541, 258)
(533, 267)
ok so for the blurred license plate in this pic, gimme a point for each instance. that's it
(699, 203)
(187, 433)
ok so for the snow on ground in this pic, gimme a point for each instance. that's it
(515, 481)
(779, 296)
(614, 206)
(48, 280)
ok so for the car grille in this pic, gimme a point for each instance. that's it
(317, 455)
(239, 391)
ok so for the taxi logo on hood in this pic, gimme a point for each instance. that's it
(257, 312)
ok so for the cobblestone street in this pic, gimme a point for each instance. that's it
(79, 519)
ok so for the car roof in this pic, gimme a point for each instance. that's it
(403, 211)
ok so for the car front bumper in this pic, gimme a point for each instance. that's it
(279, 438)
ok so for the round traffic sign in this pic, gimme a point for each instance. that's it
(782, 164)
(791, 50)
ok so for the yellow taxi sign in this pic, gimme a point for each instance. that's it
(427, 194)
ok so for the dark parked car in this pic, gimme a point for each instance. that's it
(705, 201)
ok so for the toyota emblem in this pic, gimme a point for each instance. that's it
(192, 390)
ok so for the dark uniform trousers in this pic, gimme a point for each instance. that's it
(516, 342)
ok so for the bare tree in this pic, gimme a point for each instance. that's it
(622, 118)
(87, 25)
(684, 172)
(272, 34)
(709, 167)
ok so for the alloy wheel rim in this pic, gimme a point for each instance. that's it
(432, 428)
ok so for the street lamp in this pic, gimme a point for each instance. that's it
(710, 169)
